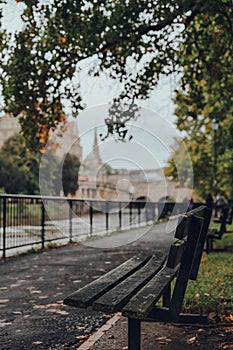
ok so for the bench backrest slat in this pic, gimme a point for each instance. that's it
(181, 260)
(184, 226)
(229, 216)
(206, 213)
(196, 224)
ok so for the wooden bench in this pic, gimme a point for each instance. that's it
(213, 234)
(135, 287)
(229, 216)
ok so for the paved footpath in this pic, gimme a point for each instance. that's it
(33, 286)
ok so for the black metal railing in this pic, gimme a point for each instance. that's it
(34, 220)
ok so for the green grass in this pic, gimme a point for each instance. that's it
(227, 240)
(225, 243)
(213, 289)
(38, 249)
(216, 226)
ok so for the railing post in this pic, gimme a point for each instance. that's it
(130, 213)
(139, 213)
(120, 216)
(91, 218)
(70, 220)
(42, 224)
(107, 215)
(4, 228)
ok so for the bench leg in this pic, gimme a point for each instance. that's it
(209, 244)
(134, 334)
(167, 296)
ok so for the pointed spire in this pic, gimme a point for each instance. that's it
(95, 147)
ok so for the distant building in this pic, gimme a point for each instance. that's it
(90, 172)
(98, 180)
(9, 126)
(65, 136)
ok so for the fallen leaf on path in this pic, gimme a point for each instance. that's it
(229, 318)
(39, 307)
(81, 337)
(51, 310)
(43, 297)
(200, 330)
(213, 316)
(61, 312)
(163, 340)
(191, 340)
(3, 323)
(48, 306)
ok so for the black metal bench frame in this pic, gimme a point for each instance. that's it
(135, 287)
(213, 234)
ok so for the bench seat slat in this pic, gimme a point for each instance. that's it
(135, 287)
(117, 297)
(85, 296)
(140, 306)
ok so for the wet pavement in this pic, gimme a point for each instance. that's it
(34, 285)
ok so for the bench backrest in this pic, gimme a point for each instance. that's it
(191, 233)
(186, 252)
(223, 220)
(230, 216)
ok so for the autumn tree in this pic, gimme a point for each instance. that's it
(197, 174)
(19, 167)
(205, 96)
(58, 175)
(179, 166)
(70, 171)
(134, 41)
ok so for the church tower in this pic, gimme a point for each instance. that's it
(95, 148)
(89, 175)
(93, 162)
